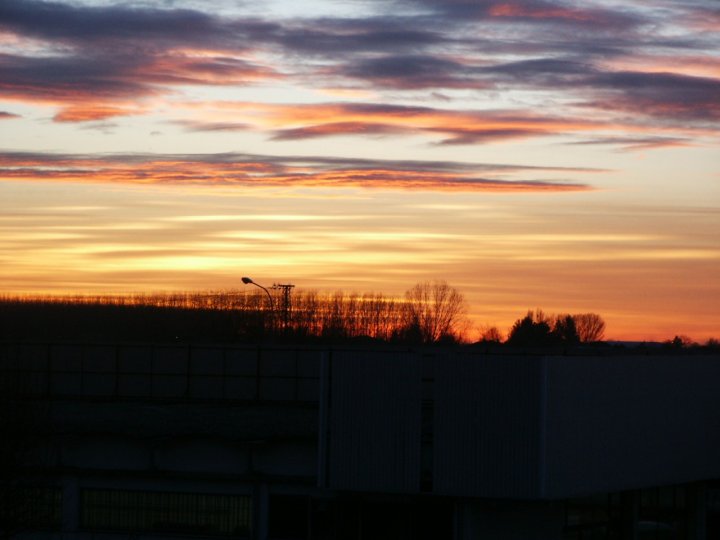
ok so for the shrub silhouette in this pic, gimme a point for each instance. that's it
(538, 329)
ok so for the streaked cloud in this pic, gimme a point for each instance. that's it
(407, 72)
(529, 10)
(99, 62)
(91, 86)
(636, 143)
(447, 126)
(268, 171)
(666, 96)
(198, 125)
(108, 26)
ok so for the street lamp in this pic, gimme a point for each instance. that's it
(248, 281)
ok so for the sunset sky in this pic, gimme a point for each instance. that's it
(553, 154)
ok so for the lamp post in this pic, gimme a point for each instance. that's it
(248, 281)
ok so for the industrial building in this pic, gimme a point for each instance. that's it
(175, 441)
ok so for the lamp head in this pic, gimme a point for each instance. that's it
(247, 280)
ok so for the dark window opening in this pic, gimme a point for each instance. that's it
(288, 517)
(31, 508)
(167, 512)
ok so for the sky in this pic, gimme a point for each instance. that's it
(534, 154)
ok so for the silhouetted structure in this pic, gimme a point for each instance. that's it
(285, 290)
(153, 441)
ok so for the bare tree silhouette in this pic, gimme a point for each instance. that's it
(590, 327)
(490, 334)
(435, 311)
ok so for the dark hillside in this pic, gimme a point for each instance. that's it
(52, 321)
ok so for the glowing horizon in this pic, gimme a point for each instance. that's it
(532, 154)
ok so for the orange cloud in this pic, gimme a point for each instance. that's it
(91, 112)
(305, 121)
(510, 9)
(636, 143)
(203, 67)
(298, 121)
(228, 170)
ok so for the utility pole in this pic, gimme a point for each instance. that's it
(285, 289)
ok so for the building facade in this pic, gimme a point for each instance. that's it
(161, 441)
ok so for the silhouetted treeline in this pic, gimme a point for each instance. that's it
(430, 312)
(686, 343)
(540, 329)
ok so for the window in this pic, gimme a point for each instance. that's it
(662, 513)
(45, 507)
(33, 508)
(153, 511)
(593, 518)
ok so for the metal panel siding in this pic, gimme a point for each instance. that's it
(308, 363)
(32, 361)
(168, 360)
(374, 422)
(487, 426)
(278, 363)
(242, 362)
(99, 359)
(619, 423)
(238, 388)
(65, 358)
(205, 387)
(207, 361)
(135, 359)
(28, 356)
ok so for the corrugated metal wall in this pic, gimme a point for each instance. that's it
(374, 421)
(444, 422)
(487, 439)
(616, 423)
